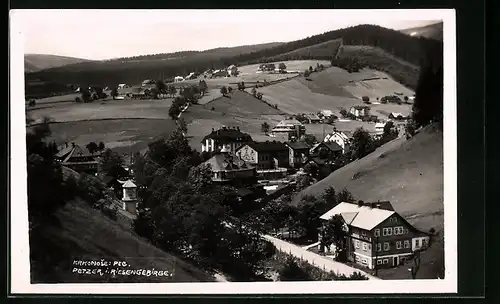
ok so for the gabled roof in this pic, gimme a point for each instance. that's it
(77, 151)
(341, 135)
(298, 145)
(129, 184)
(64, 151)
(396, 114)
(288, 122)
(332, 146)
(364, 217)
(268, 146)
(227, 162)
(227, 135)
(312, 116)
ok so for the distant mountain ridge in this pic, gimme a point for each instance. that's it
(432, 31)
(38, 62)
(318, 47)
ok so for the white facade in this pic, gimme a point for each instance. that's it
(129, 197)
(341, 139)
(210, 145)
(178, 79)
(420, 243)
(359, 112)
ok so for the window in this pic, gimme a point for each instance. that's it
(398, 245)
(357, 258)
(365, 246)
(417, 243)
(395, 220)
(386, 261)
(379, 262)
(356, 242)
(389, 231)
(369, 246)
(363, 233)
(386, 246)
(379, 247)
(423, 242)
(384, 231)
(365, 261)
(407, 244)
(377, 232)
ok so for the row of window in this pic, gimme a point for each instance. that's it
(399, 245)
(366, 246)
(386, 261)
(363, 261)
(400, 230)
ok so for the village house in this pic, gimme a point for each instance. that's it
(229, 169)
(360, 111)
(220, 73)
(340, 138)
(178, 79)
(232, 70)
(397, 116)
(148, 82)
(271, 158)
(377, 236)
(326, 113)
(312, 118)
(123, 86)
(326, 150)
(288, 129)
(231, 137)
(379, 128)
(76, 158)
(298, 152)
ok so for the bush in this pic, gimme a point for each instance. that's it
(365, 98)
(32, 103)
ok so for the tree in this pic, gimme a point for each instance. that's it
(333, 233)
(282, 66)
(303, 181)
(182, 125)
(172, 91)
(111, 164)
(92, 147)
(343, 112)
(241, 86)
(329, 197)
(309, 139)
(203, 86)
(223, 91)
(410, 128)
(101, 146)
(345, 196)
(292, 272)
(310, 69)
(229, 89)
(365, 98)
(86, 95)
(161, 87)
(310, 209)
(174, 111)
(265, 128)
(114, 92)
(32, 103)
(362, 143)
(312, 169)
(428, 104)
(307, 73)
(406, 99)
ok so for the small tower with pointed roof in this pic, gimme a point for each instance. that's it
(129, 197)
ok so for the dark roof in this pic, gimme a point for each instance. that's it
(298, 145)
(227, 162)
(268, 146)
(332, 146)
(226, 135)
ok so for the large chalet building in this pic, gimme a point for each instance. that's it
(377, 235)
(76, 158)
(298, 152)
(340, 138)
(271, 158)
(231, 138)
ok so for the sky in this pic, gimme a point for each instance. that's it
(106, 34)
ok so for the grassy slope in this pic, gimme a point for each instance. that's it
(84, 233)
(37, 62)
(410, 175)
(325, 49)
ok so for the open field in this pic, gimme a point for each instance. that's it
(291, 65)
(87, 234)
(110, 109)
(56, 99)
(330, 90)
(407, 173)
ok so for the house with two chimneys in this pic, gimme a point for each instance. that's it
(229, 137)
(288, 129)
(377, 236)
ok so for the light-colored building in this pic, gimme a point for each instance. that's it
(379, 128)
(289, 128)
(129, 198)
(232, 138)
(271, 158)
(341, 139)
(298, 152)
(360, 111)
(377, 236)
(148, 82)
(123, 86)
(178, 79)
(232, 70)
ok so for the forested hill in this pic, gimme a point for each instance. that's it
(408, 48)
(433, 31)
